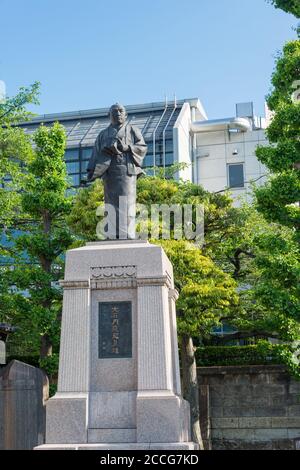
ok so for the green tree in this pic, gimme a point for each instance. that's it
(264, 260)
(38, 250)
(13, 109)
(15, 150)
(279, 198)
(289, 6)
(15, 153)
(83, 218)
(275, 294)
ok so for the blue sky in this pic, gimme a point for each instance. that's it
(91, 53)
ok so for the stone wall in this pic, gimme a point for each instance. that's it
(249, 407)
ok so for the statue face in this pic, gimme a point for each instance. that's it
(117, 114)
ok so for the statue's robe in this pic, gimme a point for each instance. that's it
(119, 172)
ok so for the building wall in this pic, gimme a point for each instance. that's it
(250, 407)
(181, 142)
(216, 150)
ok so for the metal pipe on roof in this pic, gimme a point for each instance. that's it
(193, 142)
(164, 133)
(154, 132)
(239, 124)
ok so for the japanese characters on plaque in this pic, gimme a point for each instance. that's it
(115, 330)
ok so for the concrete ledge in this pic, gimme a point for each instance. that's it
(96, 436)
(122, 446)
(275, 444)
(255, 369)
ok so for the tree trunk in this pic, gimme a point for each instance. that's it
(46, 343)
(190, 386)
(46, 347)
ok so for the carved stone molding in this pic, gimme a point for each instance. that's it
(154, 281)
(173, 294)
(113, 272)
(117, 277)
(113, 283)
(75, 284)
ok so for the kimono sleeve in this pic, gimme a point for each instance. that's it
(95, 154)
(138, 146)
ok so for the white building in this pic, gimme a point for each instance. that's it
(220, 154)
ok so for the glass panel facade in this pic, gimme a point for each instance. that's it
(169, 159)
(73, 167)
(148, 160)
(84, 165)
(82, 129)
(86, 153)
(159, 154)
(236, 175)
(77, 160)
(75, 179)
(72, 154)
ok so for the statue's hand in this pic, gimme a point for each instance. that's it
(122, 147)
(111, 151)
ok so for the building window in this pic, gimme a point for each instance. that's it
(148, 161)
(169, 159)
(73, 167)
(86, 152)
(75, 180)
(84, 165)
(236, 175)
(72, 154)
(159, 154)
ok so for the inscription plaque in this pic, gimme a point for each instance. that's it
(115, 330)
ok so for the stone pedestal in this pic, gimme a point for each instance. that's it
(119, 384)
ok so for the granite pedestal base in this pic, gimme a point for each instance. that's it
(119, 383)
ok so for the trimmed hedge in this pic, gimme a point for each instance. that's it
(260, 354)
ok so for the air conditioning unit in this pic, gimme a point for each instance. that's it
(245, 110)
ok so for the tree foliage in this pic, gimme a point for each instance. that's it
(289, 6)
(279, 198)
(83, 218)
(15, 151)
(206, 293)
(37, 251)
(13, 109)
(264, 260)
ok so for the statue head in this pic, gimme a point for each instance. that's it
(117, 114)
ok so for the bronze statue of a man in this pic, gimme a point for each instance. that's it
(117, 158)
